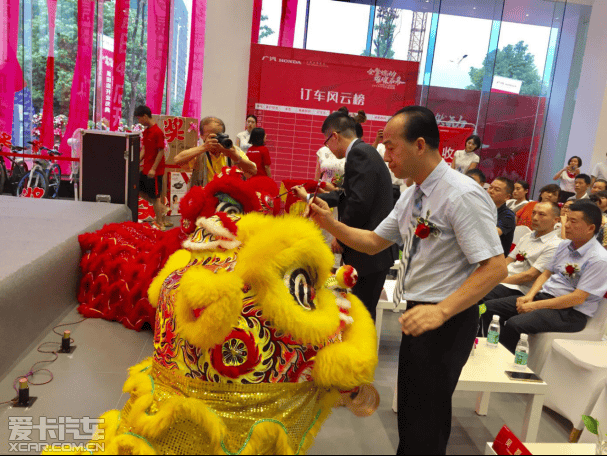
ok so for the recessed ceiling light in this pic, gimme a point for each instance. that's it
(526, 15)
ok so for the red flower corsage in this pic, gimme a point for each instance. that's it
(426, 228)
(571, 269)
(521, 256)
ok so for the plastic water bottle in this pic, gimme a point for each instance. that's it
(493, 335)
(521, 354)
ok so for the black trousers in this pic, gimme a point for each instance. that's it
(428, 371)
(498, 292)
(368, 289)
(514, 324)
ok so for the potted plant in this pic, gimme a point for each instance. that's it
(593, 426)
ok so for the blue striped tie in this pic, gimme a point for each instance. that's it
(409, 248)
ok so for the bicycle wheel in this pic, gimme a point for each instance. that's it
(2, 178)
(38, 181)
(53, 175)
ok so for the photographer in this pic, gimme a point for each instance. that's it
(216, 152)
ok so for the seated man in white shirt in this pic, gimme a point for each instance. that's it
(532, 254)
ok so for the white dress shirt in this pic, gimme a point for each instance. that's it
(538, 252)
(466, 218)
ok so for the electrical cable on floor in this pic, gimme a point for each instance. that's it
(33, 372)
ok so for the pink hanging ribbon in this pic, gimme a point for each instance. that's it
(257, 4)
(286, 36)
(81, 85)
(158, 51)
(47, 134)
(121, 29)
(9, 33)
(192, 106)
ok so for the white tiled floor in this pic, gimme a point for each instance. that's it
(89, 382)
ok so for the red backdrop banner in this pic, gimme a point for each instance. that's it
(121, 29)
(81, 86)
(286, 34)
(192, 103)
(47, 127)
(293, 90)
(158, 51)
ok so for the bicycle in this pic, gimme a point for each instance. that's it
(45, 175)
(18, 170)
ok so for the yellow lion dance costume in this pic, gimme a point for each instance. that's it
(253, 343)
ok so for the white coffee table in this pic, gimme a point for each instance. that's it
(485, 372)
(538, 449)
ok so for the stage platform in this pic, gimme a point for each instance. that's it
(39, 272)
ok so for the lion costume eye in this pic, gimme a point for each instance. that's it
(301, 287)
(228, 205)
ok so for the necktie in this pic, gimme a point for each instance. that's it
(410, 246)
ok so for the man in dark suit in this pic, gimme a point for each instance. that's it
(364, 202)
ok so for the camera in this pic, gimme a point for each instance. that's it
(224, 140)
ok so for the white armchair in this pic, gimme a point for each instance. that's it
(598, 410)
(540, 344)
(575, 372)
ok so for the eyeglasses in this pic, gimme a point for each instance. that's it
(329, 138)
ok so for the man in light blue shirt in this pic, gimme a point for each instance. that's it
(568, 292)
(452, 258)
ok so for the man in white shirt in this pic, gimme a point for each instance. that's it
(452, 258)
(599, 171)
(532, 254)
(582, 182)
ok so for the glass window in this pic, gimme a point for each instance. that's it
(338, 27)
(269, 27)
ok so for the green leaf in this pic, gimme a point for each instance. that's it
(591, 424)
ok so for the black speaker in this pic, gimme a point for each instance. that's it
(110, 167)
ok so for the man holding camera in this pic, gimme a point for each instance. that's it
(216, 152)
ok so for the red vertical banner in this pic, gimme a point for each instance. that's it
(257, 4)
(81, 84)
(286, 36)
(47, 135)
(192, 103)
(121, 29)
(9, 66)
(158, 51)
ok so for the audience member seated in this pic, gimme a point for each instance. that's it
(560, 227)
(243, 139)
(599, 185)
(532, 254)
(567, 177)
(567, 293)
(467, 159)
(519, 196)
(582, 182)
(600, 199)
(258, 153)
(599, 171)
(478, 176)
(549, 193)
(500, 191)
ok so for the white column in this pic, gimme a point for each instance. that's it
(227, 53)
(588, 138)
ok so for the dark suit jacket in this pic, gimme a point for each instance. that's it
(365, 201)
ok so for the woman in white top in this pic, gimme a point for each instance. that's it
(519, 196)
(567, 177)
(465, 160)
(242, 138)
(331, 168)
